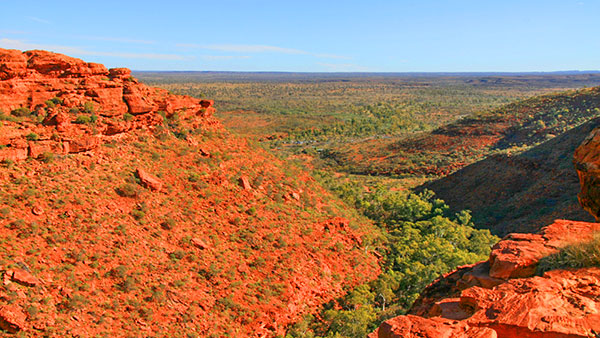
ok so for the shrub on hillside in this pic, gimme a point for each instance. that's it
(127, 190)
(21, 112)
(423, 242)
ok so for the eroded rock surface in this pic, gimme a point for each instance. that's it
(587, 163)
(80, 104)
(505, 296)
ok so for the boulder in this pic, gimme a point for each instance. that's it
(23, 277)
(12, 318)
(137, 102)
(149, 181)
(84, 143)
(200, 244)
(517, 255)
(59, 119)
(244, 183)
(121, 73)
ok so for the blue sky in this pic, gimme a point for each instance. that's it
(325, 35)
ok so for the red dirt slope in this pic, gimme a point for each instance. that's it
(127, 211)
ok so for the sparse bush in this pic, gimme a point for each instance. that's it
(138, 214)
(46, 157)
(88, 107)
(127, 117)
(4, 117)
(168, 224)
(177, 255)
(32, 137)
(127, 285)
(21, 112)
(75, 302)
(127, 190)
(83, 119)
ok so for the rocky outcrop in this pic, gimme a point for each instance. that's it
(504, 295)
(587, 163)
(23, 277)
(80, 104)
(12, 318)
(559, 304)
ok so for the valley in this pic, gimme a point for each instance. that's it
(310, 209)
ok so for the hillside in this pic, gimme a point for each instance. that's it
(532, 285)
(128, 211)
(522, 192)
(512, 127)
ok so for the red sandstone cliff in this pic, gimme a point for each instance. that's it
(503, 297)
(30, 79)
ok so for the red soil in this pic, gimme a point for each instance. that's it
(138, 226)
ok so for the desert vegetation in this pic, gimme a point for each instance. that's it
(369, 139)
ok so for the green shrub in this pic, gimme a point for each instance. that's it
(127, 190)
(4, 117)
(138, 214)
(168, 224)
(47, 157)
(127, 117)
(83, 119)
(75, 302)
(88, 107)
(127, 285)
(21, 112)
(74, 111)
(32, 137)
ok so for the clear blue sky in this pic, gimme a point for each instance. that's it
(324, 35)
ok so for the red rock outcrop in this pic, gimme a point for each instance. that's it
(12, 318)
(65, 93)
(504, 295)
(587, 163)
(419, 327)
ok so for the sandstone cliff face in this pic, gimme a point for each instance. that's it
(502, 297)
(30, 79)
(587, 163)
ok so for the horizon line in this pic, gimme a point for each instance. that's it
(391, 72)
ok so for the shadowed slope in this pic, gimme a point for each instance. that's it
(520, 193)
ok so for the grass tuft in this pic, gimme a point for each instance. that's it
(577, 255)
